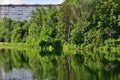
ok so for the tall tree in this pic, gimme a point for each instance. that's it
(65, 24)
(104, 19)
(5, 33)
(33, 33)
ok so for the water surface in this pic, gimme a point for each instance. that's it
(32, 64)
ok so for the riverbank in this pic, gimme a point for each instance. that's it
(16, 45)
(65, 47)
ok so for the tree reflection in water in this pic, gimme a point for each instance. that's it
(56, 65)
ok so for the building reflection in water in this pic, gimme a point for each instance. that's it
(2, 74)
(16, 74)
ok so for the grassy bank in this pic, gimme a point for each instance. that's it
(16, 45)
(67, 48)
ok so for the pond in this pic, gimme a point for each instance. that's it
(30, 64)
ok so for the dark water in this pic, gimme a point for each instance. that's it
(45, 65)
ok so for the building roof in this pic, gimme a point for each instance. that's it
(30, 4)
(40, 2)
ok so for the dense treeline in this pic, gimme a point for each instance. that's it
(75, 21)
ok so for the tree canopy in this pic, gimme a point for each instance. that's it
(75, 21)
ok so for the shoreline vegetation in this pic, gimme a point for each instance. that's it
(66, 48)
(75, 25)
(16, 45)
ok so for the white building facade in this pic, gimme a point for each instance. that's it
(20, 12)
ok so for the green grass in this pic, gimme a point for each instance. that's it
(67, 48)
(17, 45)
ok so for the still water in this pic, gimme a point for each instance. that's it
(49, 65)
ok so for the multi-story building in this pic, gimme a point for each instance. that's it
(20, 12)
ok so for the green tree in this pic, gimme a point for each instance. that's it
(106, 16)
(17, 35)
(25, 28)
(5, 30)
(77, 36)
(51, 21)
(39, 16)
(33, 33)
(73, 20)
(103, 21)
(65, 21)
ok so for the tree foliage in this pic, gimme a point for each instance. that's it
(75, 21)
